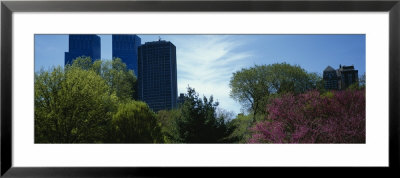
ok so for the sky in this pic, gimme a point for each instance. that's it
(206, 62)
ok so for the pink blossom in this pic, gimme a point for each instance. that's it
(314, 118)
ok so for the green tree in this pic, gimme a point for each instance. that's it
(250, 87)
(318, 81)
(198, 122)
(254, 86)
(71, 106)
(121, 80)
(241, 123)
(168, 123)
(359, 84)
(227, 117)
(135, 122)
(286, 78)
(83, 62)
(118, 77)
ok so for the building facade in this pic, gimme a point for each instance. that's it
(157, 75)
(341, 78)
(330, 79)
(348, 75)
(83, 45)
(125, 47)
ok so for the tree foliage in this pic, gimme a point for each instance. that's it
(252, 87)
(241, 125)
(118, 77)
(198, 122)
(333, 117)
(134, 122)
(91, 103)
(71, 106)
(168, 123)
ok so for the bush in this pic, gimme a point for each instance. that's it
(334, 117)
(134, 122)
(167, 120)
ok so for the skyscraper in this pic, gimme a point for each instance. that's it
(331, 79)
(348, 75)
(83, 45)
(157, 75)
(126, 48)
(341, 78)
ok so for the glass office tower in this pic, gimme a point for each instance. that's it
(157, 75)
(126, 48)
(83, 45)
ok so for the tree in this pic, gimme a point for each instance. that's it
(89, 103)
(241, 125)
(198, 122)
(318, 81)
(168, 123)
(71, 106)
(134, 122)
(227, 117)
(121, 80)
(333, 117)
(253, 87)
(286, 78)
(250, 87)
(118, 77)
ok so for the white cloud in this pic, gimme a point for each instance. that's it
(206, 63)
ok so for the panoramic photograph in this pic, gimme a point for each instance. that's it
(200, 88)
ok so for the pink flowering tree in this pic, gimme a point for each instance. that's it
(334, 117)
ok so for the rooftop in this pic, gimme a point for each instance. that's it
(329, 68)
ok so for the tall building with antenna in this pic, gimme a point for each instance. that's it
(157, 79)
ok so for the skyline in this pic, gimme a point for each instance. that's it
(206, 62)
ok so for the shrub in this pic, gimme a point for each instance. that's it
(135, 122)
(335, 117)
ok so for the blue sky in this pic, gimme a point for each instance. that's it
(206, 62)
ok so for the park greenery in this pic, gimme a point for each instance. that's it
(96, 102)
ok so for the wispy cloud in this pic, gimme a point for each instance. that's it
(206, 63)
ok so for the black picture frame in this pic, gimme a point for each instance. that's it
(8, 7)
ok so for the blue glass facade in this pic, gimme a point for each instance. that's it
(126, 48)
(83, 45)
(157, 75)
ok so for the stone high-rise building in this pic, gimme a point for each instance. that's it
(341, 78)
